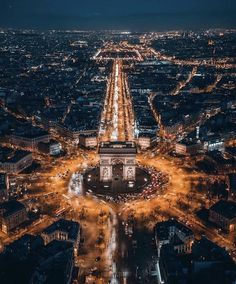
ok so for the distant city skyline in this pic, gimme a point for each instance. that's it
(132, 15)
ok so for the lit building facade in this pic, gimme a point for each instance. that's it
(12, 214)
(15, 161)
(63, 230)
(88, 140)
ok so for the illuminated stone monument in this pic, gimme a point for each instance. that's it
(117, 158)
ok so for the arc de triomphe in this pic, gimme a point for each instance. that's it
(116, 153)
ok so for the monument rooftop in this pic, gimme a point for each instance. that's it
(117, 147)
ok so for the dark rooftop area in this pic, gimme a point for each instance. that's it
(225, 208)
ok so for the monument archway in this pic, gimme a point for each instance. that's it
(117, 158)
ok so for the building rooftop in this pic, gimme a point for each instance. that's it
(71, 227)
(56, 263)
(162, 229)
(92, 134)
(147, 135)
(117, 147)
(8, 155)
(3, 181)
(231, 150)
(51, 142)
(232, 181)
(25, 245)
(171, 265)
(205, 250)
(225, 208)
(27, 260)
(29, 132)
(11, 207)
(189, 142)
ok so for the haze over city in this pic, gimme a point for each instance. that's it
(135, 15)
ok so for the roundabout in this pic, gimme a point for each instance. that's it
(117, 185)
(118, 177)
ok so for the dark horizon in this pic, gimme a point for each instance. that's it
(126, 15)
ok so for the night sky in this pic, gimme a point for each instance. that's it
(120, 14)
